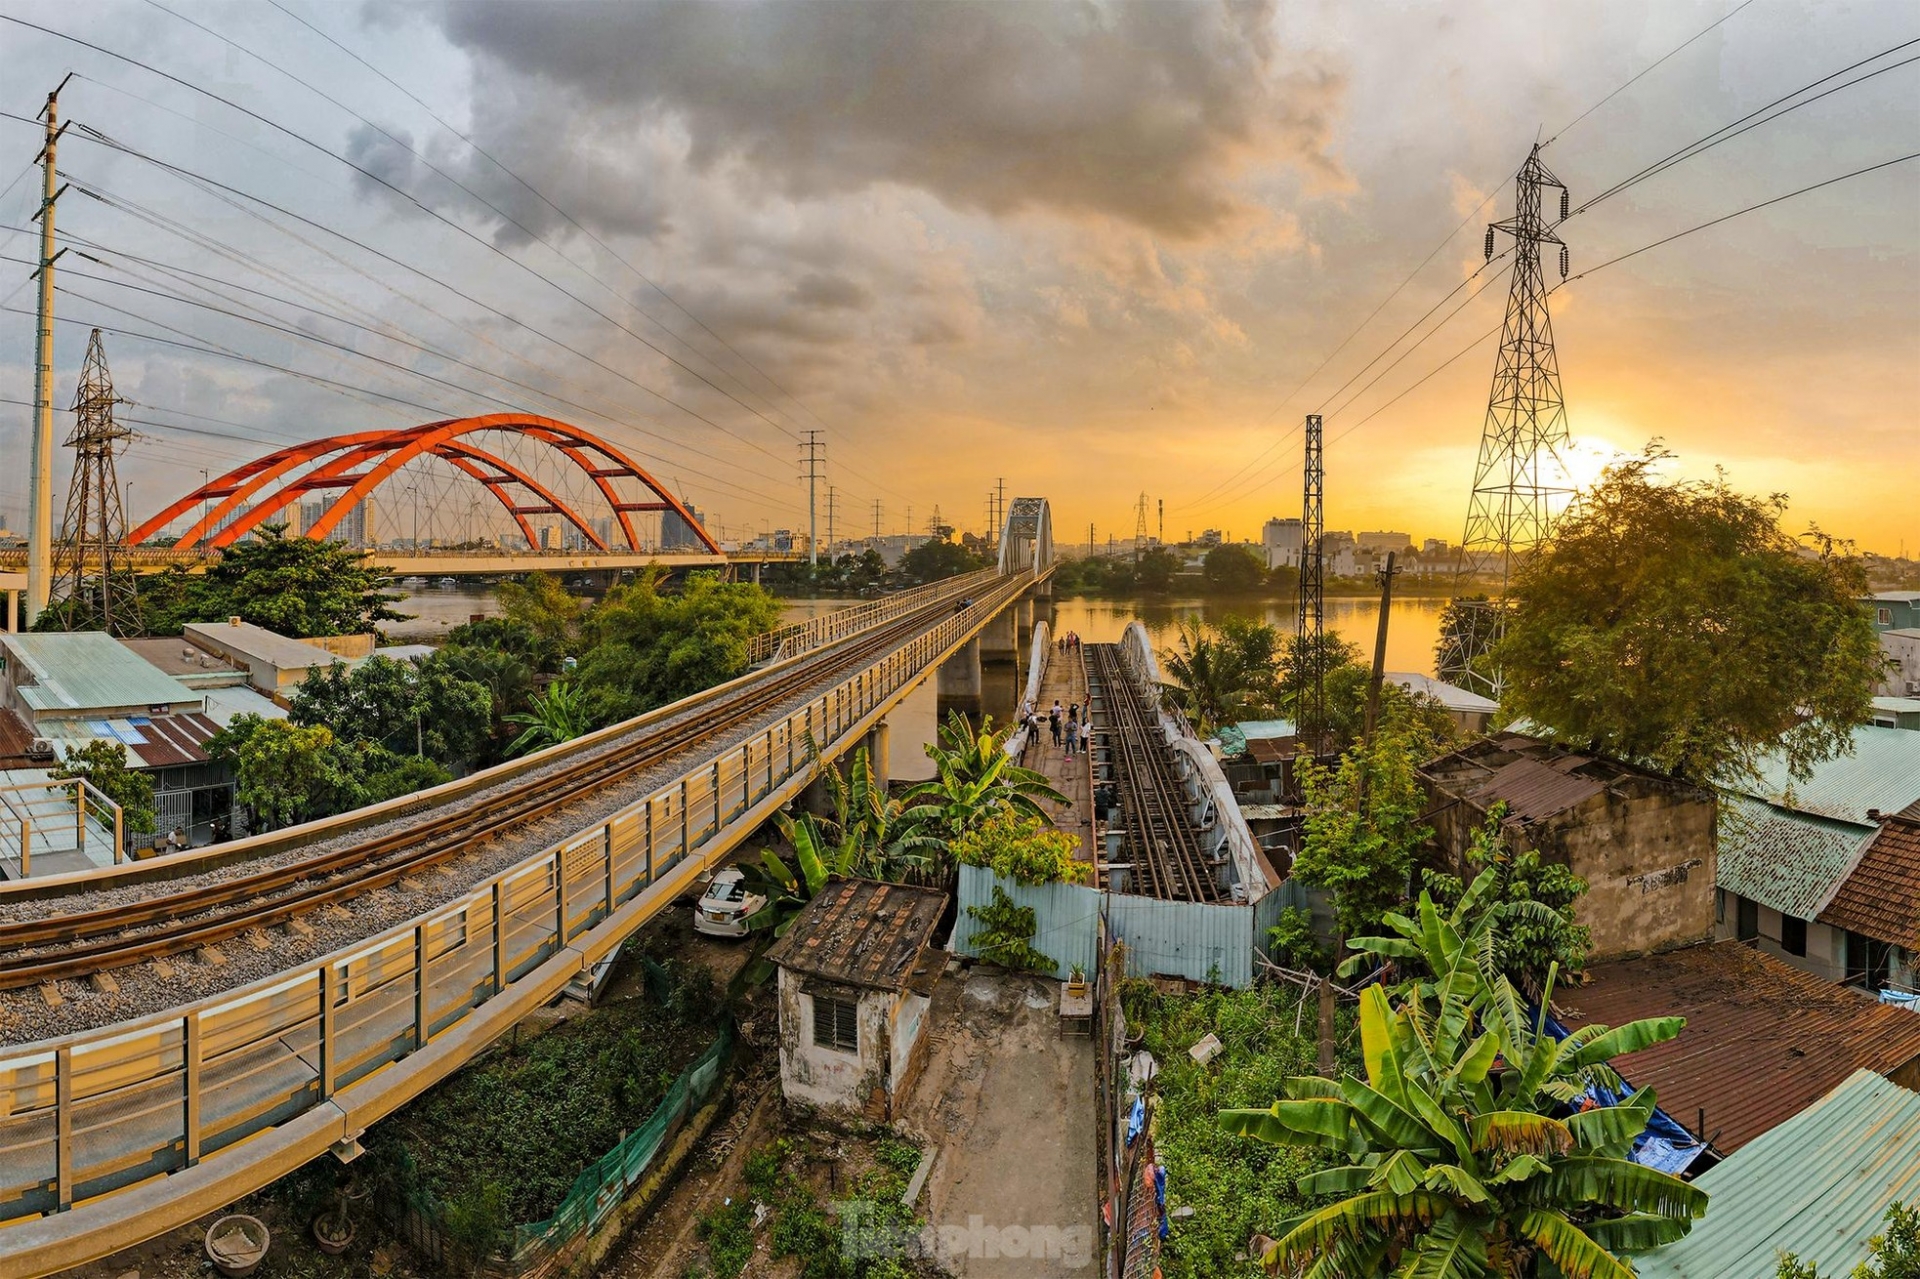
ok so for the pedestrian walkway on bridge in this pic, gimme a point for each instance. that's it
(1065, 681)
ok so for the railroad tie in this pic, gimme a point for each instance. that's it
(258, 939)
(210, 956)
(103, 983)
(298, 927)
(50, 994)
(162, 969)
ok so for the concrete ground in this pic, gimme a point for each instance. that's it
(1010, 1106)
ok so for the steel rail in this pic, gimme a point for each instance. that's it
(1162, 841)
(181, 917)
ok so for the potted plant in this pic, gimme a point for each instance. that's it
(332, 1228)
(1076, 981)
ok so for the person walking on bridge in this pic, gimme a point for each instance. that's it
(1053, 722)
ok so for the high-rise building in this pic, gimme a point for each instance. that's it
(676, 534)
(1281, 540)
(357, 529)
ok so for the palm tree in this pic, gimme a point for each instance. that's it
(558, 715)
(1464, 1155)
(974, 778)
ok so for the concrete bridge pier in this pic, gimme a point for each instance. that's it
(1023, 623)
(999, 644)
(876, 743)
(959, 682)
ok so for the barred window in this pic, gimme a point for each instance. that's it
(836, 1024)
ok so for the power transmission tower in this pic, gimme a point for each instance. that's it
(813, 452)
(1512, 507)
(831, 501)
(1140, 528)
(876, 519)
(94, 531)
(999, 510)
(1162, 539)
(1313, 716)
(40, 483)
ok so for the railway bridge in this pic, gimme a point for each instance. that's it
(393, 944)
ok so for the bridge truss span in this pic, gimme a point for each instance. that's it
(343, 471)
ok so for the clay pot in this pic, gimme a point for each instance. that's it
(236, 1244)
(332, 1233)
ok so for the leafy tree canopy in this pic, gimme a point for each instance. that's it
(404, 707)
(937, 558)
(1678, 626)
(1023, 849)
(545, 620)
(103, 765)
(292, 585)
(975, 779)
(1532, 901)
(1894, 1253)
(647, 648)
(1224, 675)
(1363, 826)
(1233, 570)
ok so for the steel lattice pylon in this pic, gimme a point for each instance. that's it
(93, 533)
(1513, 505)
(1312, 622)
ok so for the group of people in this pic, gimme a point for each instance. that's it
(1070, 728)
(1069, 642)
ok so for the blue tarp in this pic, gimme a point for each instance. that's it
(1666, 1146)
(1901, 999)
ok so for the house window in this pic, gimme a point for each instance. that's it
(1886, 617)
(1793, 935)
(836, 1024)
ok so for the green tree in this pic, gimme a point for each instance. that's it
(1230, 674)
(892, 835)
(508, 679)
(1894, 1253)
(1363, 827)
(287, 773)
(293, 585)
(974, 778)
(648, 647)
(555, 716)
(539, 607)
(1156, 570)
(1233, 570)
(1676, 625)
(103, 765)
(504, 635)
(407, 708)
(1024, 849)
(1336, 663)
(822, 851)
(1457, 1164)
(936, 558)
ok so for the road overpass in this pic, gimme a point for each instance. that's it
(117, 1132)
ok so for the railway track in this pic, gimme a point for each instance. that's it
(1168, 862)
(79, 944)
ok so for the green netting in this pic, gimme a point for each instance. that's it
(600, 1189)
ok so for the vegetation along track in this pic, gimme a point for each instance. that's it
(1161, 841)
(78, 944)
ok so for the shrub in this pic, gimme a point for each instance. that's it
(1007, 936)
(1023, 849)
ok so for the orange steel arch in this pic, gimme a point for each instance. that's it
(352, 466)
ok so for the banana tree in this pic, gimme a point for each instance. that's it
(1458, 1164)
(558, 715)
(974, 779)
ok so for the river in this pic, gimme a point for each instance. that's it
(1413, 629)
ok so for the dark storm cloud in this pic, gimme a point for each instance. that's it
(1142, 112)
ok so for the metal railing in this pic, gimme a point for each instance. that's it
(97, 1112)
(799, 637)
(50, 825)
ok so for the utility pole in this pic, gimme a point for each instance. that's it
(999, 509)
(40, 517)
(1312, 619)
(1386, 576)
(1162, 539)
(1089, 539)
(1511, 511)
(813, 451)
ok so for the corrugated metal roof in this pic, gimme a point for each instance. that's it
(1881, 897)
(1816, 1186)
(1537, 779)
(79, 671)
(152, 741)
(1783, 859)
(1256, 729)
(1763, 1040)
(225, 703)
(862, 932)
(1882, 773)
(1451, 696)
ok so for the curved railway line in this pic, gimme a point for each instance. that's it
(78, 944)
(1162, 844)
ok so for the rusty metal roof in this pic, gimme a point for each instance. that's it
(865, 933)
(1881, 897)
(1763, 1040)
(1536, 779)
(1790, 861)
(1817, 1186)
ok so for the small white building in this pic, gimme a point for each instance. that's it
(856, 975)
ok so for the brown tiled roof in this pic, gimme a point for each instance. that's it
(1763, 1041)
(173, 740)
(865, 933)
(1881, 897)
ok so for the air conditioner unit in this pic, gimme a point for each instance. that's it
(40, 748)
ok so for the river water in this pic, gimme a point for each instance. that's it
(1413, 629)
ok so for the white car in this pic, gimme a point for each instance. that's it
(724, 909)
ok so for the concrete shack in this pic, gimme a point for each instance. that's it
(1644, 842)
(856, 974)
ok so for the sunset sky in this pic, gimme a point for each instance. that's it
(1095, 249)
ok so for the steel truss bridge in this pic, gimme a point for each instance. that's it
(112, 1135)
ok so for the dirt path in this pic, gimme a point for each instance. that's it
(1009, 1104)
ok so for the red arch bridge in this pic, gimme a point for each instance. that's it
(611, 512)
